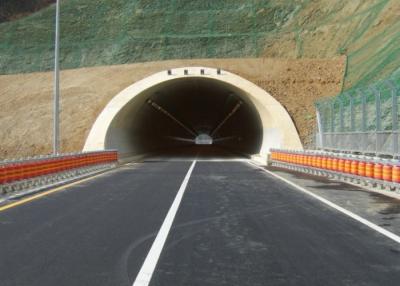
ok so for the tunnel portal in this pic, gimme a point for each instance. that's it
(173, 111)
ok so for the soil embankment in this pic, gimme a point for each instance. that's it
(26, 99)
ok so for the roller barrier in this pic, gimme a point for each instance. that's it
(44, 171)
(369, 171)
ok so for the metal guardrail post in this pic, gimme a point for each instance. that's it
(378, 123)
(363, 118)
(320, 129)
(341, 114)
(340, 138)
(353, 141)
(332, 116)
(395, 124)
(352, 117)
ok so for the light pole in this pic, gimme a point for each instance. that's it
(56, 95)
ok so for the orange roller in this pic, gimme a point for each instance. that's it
(314, 161)
(347, 165)
(340, 166)
(318, 161)
(396, 173)
(324, 162)
(387, 172)
(329, 163)
(309, 160)
(302, 159)
(378, 170)
(336, 164)
(354, 167)
(361, 168)
(369, 169)
(298, 159)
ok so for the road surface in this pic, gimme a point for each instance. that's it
(235, 225)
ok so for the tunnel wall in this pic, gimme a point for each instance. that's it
(110, 128)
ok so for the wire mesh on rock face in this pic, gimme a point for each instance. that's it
(121, 31)
(363, 119)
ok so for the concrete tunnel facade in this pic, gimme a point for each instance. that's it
(172, 109)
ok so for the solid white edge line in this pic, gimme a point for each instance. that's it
(146, 272)
(371, 225)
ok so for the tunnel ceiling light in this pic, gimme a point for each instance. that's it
(173, 118)
(234, 110)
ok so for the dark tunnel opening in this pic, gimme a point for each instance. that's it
(188, 117)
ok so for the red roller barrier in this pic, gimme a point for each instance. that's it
(17, 171)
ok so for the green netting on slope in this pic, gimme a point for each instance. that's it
(379, 56)
(344, 113)
(101, 32)
(367, 31)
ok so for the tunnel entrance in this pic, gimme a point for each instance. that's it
(192, 111)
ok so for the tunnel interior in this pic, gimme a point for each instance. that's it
(187, 115)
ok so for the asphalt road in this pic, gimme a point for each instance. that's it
(236, 225)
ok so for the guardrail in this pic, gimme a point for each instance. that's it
(44, 171)
(369, 171)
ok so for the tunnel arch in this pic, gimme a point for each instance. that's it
(122, 123)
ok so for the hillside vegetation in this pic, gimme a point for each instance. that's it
(107, 32)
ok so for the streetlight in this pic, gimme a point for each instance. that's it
(56, 94)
